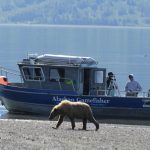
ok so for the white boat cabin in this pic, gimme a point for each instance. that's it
(61, 72)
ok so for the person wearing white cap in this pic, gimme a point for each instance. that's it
(132, 87)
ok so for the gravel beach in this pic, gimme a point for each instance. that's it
(28, 134)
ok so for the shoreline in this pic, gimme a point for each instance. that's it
(39, 134)
(5, 115)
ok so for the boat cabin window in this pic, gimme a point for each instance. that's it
(57, 74)
(33, 73)
(98, 77)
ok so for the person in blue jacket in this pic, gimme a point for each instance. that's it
(132, 87)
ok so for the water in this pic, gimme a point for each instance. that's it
(3, 111)
(122, 50)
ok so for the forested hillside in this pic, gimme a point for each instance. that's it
(77, 12)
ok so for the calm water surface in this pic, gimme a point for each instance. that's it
(122, 50)
(4, 114)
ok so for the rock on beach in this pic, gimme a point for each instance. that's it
(38, 134)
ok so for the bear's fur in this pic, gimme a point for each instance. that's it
(73, 110)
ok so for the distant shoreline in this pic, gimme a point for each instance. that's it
(73, 26)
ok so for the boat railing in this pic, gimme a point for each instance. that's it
(135, 94)
(121, 93)
(8, 73)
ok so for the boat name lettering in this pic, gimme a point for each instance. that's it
(86, 100)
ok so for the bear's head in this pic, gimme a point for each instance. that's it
(55, 112)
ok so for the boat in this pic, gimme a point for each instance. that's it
(48, 79)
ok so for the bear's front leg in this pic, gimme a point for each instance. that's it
(92, 119)
(60, 120)
(84, 123)
(72, 123)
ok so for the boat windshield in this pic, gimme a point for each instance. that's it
(33, 73)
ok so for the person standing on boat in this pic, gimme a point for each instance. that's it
(132, 87)
(111, 84)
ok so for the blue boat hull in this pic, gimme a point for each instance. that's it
(41, 101)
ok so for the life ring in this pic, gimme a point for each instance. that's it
(3, 80)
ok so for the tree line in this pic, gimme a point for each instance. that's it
(76, 12)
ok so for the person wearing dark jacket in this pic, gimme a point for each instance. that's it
(111, 85)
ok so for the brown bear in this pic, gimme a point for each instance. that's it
(73, 110)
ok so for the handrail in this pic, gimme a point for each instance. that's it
(11, 71)
(6, 71)
(122, 93)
